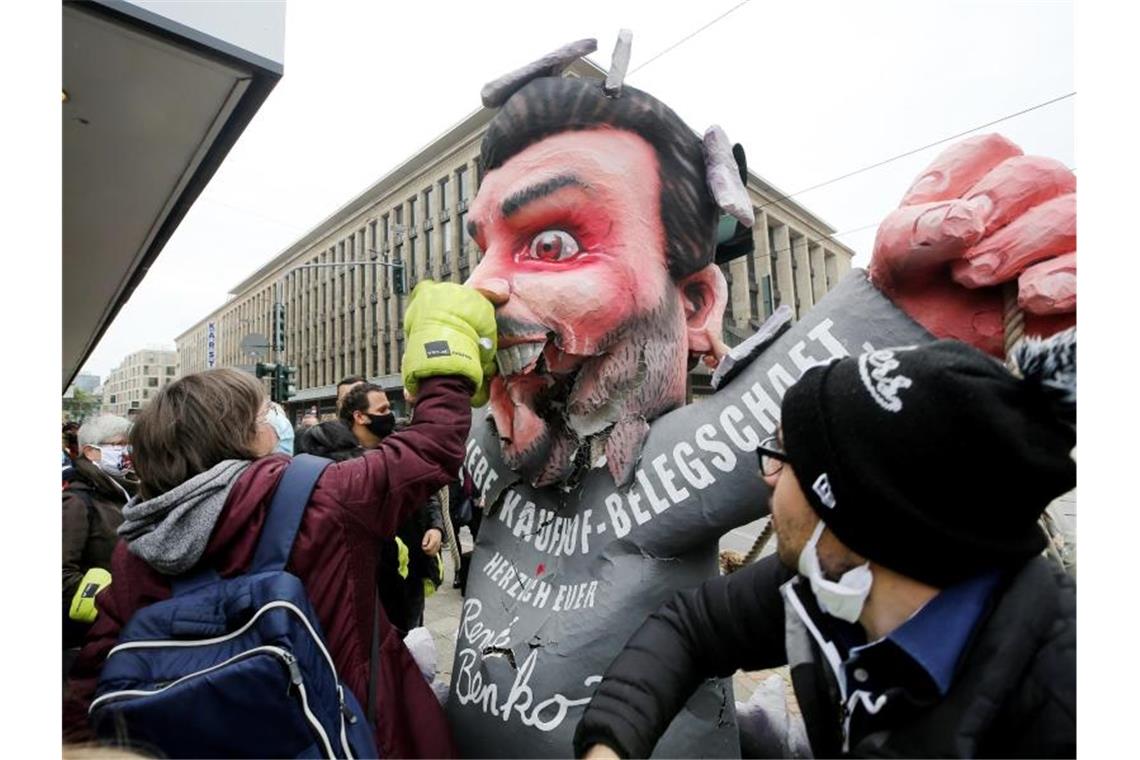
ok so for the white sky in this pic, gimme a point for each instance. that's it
(812, 91)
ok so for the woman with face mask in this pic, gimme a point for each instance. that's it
(98, 485)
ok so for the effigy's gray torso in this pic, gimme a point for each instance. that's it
(561, 577)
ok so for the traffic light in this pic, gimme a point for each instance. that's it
(285, 383)
(279, 326)
(398, 286)
(265, 370)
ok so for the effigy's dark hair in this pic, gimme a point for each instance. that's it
(550, 105)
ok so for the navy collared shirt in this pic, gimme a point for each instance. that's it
(936, 635)
(913, 666)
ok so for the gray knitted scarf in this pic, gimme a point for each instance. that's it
(171, 531)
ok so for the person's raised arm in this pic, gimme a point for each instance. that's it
(726, 624)
(447, 364)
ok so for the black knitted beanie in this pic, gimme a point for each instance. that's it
(936, 461)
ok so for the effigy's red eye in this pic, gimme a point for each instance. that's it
(553, 245)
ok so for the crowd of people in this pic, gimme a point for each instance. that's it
(921, 586)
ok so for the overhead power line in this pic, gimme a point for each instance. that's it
(911, 152)
(688, 37)
(869, 167)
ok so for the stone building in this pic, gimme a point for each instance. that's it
(137, 379)
(348, 320)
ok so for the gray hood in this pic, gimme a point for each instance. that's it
(171, 531)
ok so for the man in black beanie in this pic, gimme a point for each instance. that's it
(909, 595)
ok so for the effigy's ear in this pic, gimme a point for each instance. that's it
(704, 295)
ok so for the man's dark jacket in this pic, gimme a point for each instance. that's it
(1013, 694)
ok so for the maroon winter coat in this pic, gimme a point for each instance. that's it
(354, 505)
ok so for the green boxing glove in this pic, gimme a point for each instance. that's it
(450, 330)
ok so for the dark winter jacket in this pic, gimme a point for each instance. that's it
(92, 511)
(332, 439)
(354, 505)
(401, 597)
(1013, 693)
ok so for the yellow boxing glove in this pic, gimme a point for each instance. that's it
(83, 603)
(450, 330)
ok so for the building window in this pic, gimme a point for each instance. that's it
(753, 287)
(171, 371)
(445, 231)
(427, 203)
(464, 236)
(443, 195)
(461, 180)
(427, 254)
(766, 294)
(152, 382)
(414, 271)
(462, 185)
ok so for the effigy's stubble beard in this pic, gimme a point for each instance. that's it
(606, 405)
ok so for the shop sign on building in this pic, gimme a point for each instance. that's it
(211, 345)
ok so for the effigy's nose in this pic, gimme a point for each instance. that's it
(496, 289)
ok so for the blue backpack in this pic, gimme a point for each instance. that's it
(235, 667)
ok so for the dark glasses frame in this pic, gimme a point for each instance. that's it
(771, 456)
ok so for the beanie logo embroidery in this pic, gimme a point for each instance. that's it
(875, 368)
(822, 488)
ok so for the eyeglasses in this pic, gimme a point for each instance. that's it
(772, 456)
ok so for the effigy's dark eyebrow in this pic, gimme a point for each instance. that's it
(517, 201)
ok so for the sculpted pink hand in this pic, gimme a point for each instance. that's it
(979, 216)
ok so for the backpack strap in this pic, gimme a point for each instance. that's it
(285, 512)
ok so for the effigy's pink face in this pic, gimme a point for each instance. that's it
(591, 331)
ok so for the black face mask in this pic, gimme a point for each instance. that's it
(381, 425)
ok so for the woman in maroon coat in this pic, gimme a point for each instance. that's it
(202, 453)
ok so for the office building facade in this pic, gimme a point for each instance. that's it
(136, 380)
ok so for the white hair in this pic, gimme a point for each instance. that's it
(103, 428)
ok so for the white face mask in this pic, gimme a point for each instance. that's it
(843, 598)
(111, 458)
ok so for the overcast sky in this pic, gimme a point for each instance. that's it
(812, 90)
